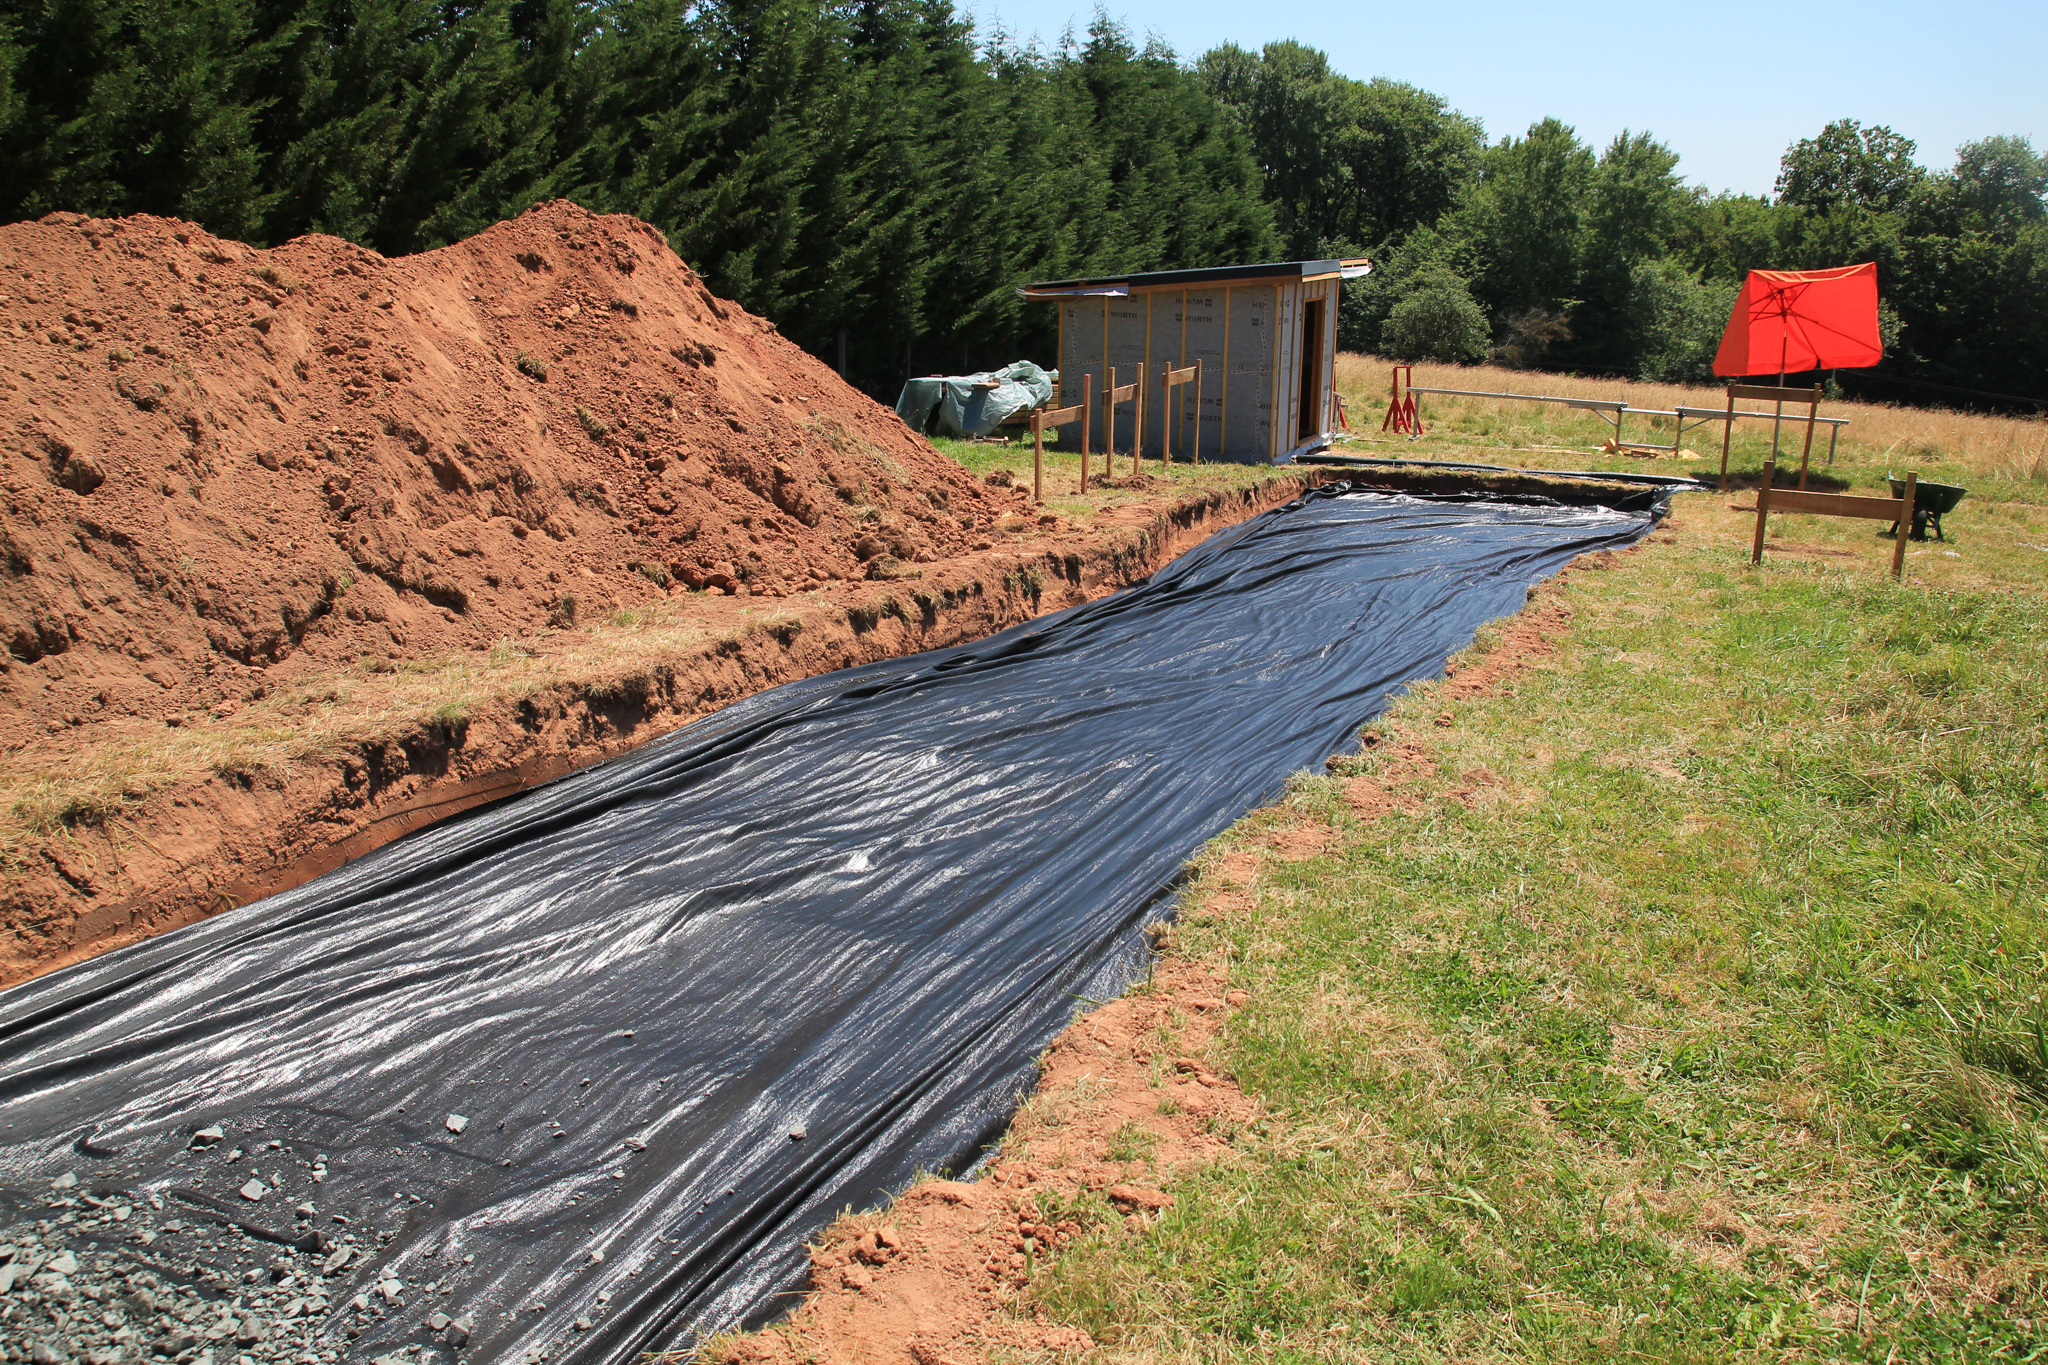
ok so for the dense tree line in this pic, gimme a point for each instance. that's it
(867, 174)
(1536, 250)
(877, 178)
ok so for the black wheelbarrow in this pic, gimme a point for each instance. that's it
(1930, 502)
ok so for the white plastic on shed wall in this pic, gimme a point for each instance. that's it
(1248, 417)
(1205, 343)
(1162, 328)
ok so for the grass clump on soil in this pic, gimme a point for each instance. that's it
(1679, 998)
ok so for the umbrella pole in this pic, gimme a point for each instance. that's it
(1779, 416)
(1727, 430)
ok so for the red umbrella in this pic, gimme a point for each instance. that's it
(1787, 321)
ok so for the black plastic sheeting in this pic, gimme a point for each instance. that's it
(1668, 482)
(856, 907)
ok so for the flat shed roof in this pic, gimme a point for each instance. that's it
(1115, 285)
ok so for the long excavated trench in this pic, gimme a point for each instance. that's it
(573, 1076)
(225, 838)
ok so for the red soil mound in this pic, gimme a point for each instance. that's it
(222, 466)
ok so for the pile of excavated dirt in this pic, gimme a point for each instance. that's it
(222, 467)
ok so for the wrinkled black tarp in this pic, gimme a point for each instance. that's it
(856, 905)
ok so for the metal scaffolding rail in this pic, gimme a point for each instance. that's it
(1613, 410)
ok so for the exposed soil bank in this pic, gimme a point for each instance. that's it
(221, 467)
(227, 837)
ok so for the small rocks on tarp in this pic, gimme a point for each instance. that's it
(103, 1280)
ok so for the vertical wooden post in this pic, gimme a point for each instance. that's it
(1198, 409)
(1105, 332)
(1905, 523)
(1087, 411)
(1109, 426)
(1060, 399)
(1812, 413)
(1038, 459)
(1727, 430)
(1138, 434)
(1142, 368)
(1763, 509)
(1165, 416)
(1283, 334)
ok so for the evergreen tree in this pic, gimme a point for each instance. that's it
(135, 106)
(1346, 162)
(877, 179)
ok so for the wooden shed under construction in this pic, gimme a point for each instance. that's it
(1263, 336)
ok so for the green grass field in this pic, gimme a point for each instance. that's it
(1677, 998)
(1062, 472)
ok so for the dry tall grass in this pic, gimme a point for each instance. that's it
(1997, 448)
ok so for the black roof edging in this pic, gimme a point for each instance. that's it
(1204, 275)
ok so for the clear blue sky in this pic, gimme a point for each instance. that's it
(1726, 86)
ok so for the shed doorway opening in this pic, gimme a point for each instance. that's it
(1311, 406)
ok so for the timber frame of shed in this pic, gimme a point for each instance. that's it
(1266, 337)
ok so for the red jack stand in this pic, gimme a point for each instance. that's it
(1401, 416)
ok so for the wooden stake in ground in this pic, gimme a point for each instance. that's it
(1111, 396)
(1138, 436)
(1169, 380)
(1108, 428)
(1806, 450)
(1054, 417)
(1772, 393)
(1763, 509)
(1898, 510)
(1905, 525)
(1087, 408)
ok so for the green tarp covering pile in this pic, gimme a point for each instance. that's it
(975, 404)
